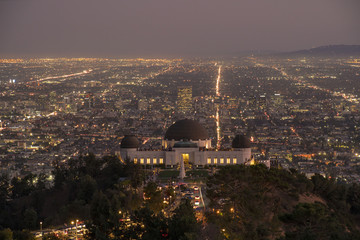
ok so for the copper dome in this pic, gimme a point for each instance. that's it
(186, 129)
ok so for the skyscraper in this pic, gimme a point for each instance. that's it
(184, 99)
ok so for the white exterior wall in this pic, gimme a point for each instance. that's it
(174, 157)
(148, 157)
(170, 158)
(200, 143)
(265, 162)
(126, 153)
(227, 157)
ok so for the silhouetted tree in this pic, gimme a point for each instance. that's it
(6, 234)
(154, 199)
(23, 235)
(183, 225)
(30, 218)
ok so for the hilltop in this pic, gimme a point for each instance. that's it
(259, 203)
(327, 51)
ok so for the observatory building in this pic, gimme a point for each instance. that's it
(186, 141)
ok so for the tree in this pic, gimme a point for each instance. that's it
(41, 182)
(100, 217)
(148, 225)
(90, 165)
(183, 225)
(135, 173)
(238, 195)
(4, 190)
(6, 234)
(313, 221)
(60, 173)
(110, 173)
(23, 235)
(87, 188)
(334, 193)
(24, 186)
(353, 198)
(154, 199)
(170, 193)
(30, 218)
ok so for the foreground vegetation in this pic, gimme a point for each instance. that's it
(113, 198)
(116, 201)
(259, 203)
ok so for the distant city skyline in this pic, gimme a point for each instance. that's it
(93, 28)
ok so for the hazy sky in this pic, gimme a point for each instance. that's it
(172, 27)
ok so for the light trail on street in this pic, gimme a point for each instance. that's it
(217, 118)
(62, 76)
(218, 82)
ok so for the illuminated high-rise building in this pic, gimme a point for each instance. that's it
(184, 99)
(277, 100)
(262, 101)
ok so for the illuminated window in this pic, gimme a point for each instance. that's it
(234, 160)
(209, 161)
(148, 161)
(161, 160)
(228, 161)
(141, 161)
(215, 160)
(135, 160)
(154, 161)
(221, 160)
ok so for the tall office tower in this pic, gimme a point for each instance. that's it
(184, 99)
(252, 102)
(262, 101)
(277, 100)
(89, 100)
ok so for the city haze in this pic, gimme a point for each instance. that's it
(172, 28)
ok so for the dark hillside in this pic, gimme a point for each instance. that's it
(326, 51)
(259, 203)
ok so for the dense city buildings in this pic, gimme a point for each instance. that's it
(184, 100)
(179, 120)
(135, 133)
(298, 112)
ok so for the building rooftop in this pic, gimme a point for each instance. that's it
(240, 141)
(130, 141)
(186, 129)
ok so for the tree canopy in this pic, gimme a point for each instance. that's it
(254, 202)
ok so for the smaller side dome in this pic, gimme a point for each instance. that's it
(240, 141)
(129, 141)
(185, 144)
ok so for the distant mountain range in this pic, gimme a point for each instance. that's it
(327, 51)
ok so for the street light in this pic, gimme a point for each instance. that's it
(76, 229)
(41, 230)
(76, 223)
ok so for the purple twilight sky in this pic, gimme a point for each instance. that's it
(117, 28)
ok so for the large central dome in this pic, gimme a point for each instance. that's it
(186, 129)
